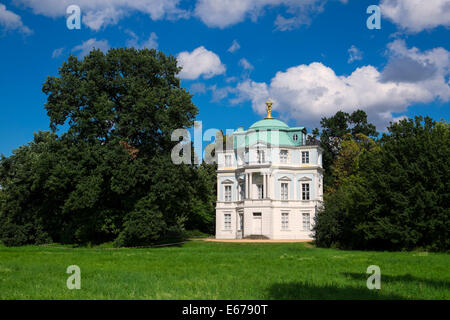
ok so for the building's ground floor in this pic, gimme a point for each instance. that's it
(271, 222)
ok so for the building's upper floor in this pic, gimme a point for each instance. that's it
(269, 142)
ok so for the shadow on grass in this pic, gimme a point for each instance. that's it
(307, 291)
(406, 279)
(110, 246)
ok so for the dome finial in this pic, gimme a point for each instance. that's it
(269, 103)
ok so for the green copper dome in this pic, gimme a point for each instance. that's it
(269, 124)
(269, 131)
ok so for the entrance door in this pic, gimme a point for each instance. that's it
(240, 229)
(257, 223)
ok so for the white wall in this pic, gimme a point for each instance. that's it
(295, 229)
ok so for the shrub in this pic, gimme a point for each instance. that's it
(143, 226)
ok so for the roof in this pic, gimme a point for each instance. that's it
(270, 132)
(269, 124)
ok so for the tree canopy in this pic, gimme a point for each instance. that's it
(334, 130)
(109, 176)
(393, 194)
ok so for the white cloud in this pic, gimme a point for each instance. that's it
(88, 45)
(224, 13)
(245, 64)
(198, 88)
(200, 62)
(438, 56)
(214, 13)
(57, 52)
(219, 94)
(306, 93)
(301, 13)
(412, 65)
(231, 79)
(11, 21)
(354, 54)
(398, 119)
(257, 92)
(234, 46)
(417, 15)
(100, 13)
(150, 43)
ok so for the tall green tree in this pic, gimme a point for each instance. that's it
(397, 195)
(334, 130)
(109, 175)
(126, 94)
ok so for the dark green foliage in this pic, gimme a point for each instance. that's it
(334, 129)
(144, 225)
(110, 173)
(398, 198)
(205, 186)
(12, 234)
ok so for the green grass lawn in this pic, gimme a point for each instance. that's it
(208, 270)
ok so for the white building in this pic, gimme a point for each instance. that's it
(270, 184)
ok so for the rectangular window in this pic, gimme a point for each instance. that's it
(284, 221)
(228, 193)
(228, 160)
(305, 156)
(241, 222)
(284, 191)
(260, 191)
(283, 156)
(227, 221)
(306, 222)
(305, 191)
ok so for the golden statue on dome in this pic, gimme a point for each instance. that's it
(269, 109)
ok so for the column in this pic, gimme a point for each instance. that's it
(264, 186)
(250, 195)
(266, 190)
(246, 186)
(218, 190)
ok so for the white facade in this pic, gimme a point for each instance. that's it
(273, 191)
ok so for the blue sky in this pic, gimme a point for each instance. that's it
(312, 57)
